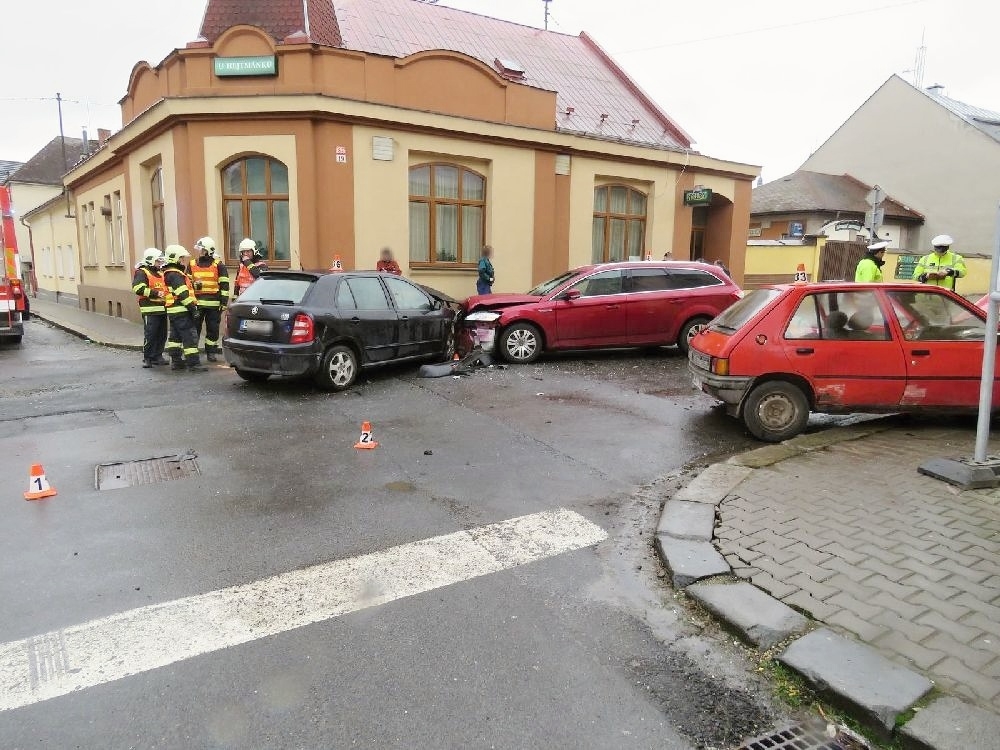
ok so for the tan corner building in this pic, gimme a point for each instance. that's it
(318, 133)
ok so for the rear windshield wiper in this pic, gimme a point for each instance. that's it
(276, 302)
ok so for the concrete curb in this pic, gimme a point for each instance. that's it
(85, 336)
(870, 687)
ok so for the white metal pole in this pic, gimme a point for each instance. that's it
(989, 351)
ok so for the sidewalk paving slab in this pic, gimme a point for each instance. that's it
(949, 724)
(101, 329)
(683, 519)
(757, 617)
(713, 484)
(854, 674)
(690, 561)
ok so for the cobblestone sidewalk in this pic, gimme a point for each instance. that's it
(854, 536)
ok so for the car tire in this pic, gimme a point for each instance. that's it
(688, 331)
(338, 369)
(252, 377)
(521, 343)
(776, 410)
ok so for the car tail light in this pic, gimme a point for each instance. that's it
(15, 285)
(302, 329)
(720, 366)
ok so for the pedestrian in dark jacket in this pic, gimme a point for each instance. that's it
(151, 290)
(182, 307)
(484, 282)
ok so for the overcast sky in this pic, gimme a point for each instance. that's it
(762, 81)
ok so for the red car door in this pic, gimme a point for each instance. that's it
(943, 345)
(598, 317)
(652, 307)
(840, 342)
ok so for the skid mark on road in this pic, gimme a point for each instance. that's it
(130, 643)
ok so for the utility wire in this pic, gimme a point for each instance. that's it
(747, 32)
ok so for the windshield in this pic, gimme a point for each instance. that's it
(736, 316)
(277, 290)
(547, 286)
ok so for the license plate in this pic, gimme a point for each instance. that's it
(256, 327)
(699, 360)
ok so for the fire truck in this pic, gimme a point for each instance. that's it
(13, 300)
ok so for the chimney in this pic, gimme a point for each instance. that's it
(102, 135)
(86, 143)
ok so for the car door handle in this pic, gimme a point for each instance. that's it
(805, 350)
(355, 320)
(404, 317)
(921, 352)
(611, 307)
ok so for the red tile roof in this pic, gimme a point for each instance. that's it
(594, 96)
(584, 77)
(279, 18)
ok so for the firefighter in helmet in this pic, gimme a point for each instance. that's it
(182, 308)
(211, 286)
(252, 265)
(942, 267)
(151, 290)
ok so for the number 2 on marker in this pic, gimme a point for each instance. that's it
(366, 437)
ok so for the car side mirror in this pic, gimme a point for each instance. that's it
(570, 295)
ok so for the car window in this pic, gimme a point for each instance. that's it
(685, 278)
(345, 300)
(648, 280)
(600, 284)
(739, 313)
(847, 316)
(368, 293)
(547, 286)
(931, 316)
(278, 288)
(408, 297)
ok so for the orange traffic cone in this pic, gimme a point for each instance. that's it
(38, 485)
(336, 265)
(455, 357)
(367, 439)
(800, 273)
(649, 256)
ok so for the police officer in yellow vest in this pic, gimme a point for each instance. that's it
(182, 307)
(941, 267)
(870, 267)
(211, 287)
(151, 290)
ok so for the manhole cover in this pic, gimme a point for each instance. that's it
(147, 471)
(796, 737)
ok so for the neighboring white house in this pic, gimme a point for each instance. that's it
(938, 156)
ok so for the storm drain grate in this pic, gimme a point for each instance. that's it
(795, 737)
(147, 471)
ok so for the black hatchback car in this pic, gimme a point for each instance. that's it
(330, 326)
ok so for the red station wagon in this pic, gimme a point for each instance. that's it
(644, 303)
(784, 351)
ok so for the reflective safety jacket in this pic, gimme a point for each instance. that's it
(867, 270)
(211, 282)
(247, 274)
(180, 290)
(950, 262)
(151, 289)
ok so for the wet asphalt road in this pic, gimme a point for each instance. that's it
(588, 649)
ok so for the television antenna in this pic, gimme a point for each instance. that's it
(546, 13)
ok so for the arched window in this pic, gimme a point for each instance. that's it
(447, 215)
(619, 223)
(255, 205)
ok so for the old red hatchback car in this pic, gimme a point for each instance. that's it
(644, 303)
(784, 351)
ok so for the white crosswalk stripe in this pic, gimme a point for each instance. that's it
(129, 643)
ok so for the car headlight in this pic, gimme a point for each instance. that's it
(483, 316)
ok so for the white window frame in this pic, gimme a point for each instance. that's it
(118, 258)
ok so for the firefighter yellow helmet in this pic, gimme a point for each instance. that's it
(175, 253)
